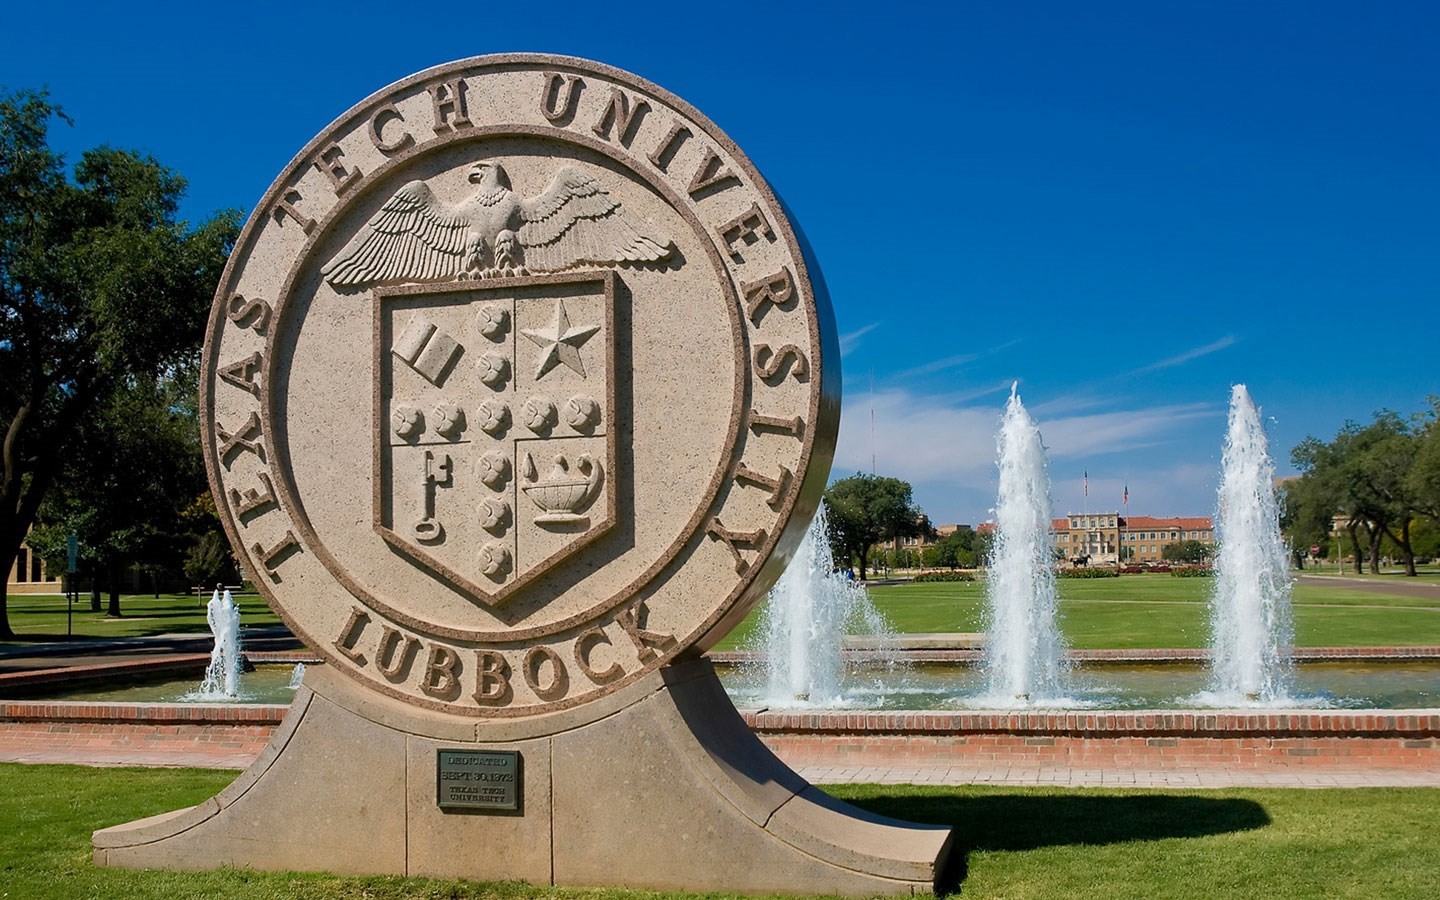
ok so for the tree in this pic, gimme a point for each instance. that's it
(868, 509)
(1186, 551)
(125, 488)
(99, 284)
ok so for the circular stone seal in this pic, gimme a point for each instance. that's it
(519, 384)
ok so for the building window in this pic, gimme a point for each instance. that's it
(22, 560)
(35, 567)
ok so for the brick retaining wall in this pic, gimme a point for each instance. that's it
(1333, 740)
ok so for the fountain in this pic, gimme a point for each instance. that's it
(222, 676)
(1024, 657)
(804, 624)
(1250, 620)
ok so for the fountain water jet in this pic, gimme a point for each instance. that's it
(222, 676)
(1024, 657)
(1250, 618)
(811, 609)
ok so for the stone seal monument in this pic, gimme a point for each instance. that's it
(520, 389)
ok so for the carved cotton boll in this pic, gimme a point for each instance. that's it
(494, 559)
(493, 469)
(582, 412)
(448, 419)
(494, 515)
(407, 421)
(492, 321)
(539, 414)
(492, 416)
(493, 369)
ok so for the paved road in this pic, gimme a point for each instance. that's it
(1395, 585)
(28, 657)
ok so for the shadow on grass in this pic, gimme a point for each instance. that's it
(1010, 822)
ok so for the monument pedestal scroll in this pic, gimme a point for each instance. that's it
(669, 790)
(520, 389)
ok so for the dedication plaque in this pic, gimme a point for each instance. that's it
(478, 779)
(518, 386)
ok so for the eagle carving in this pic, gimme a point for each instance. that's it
(417, 237)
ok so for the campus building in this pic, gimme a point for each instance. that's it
(1110, 538)
(29, 575)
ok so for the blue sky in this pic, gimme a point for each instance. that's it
(1124, 207)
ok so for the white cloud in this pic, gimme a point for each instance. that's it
(945, 447)
(851, 340)
(1189, 355)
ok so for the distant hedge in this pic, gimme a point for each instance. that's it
(933, 577)
(1098, 572)
(1193, 572)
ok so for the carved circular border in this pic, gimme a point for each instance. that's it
(818, 443)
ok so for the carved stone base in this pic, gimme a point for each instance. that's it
(658, 786)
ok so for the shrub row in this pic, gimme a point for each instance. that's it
(932, 577)
(1097, 572)
(1192, 572)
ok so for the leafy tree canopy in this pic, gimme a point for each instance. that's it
(102, 289)
(868, 509)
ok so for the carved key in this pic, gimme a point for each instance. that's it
(429, 530)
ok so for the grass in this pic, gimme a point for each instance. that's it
(1140, 611)
(39, 617)
(1010, 842)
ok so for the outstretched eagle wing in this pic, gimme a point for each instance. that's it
(576, 221)
(414, 237)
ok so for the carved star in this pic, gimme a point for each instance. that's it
(560, 342)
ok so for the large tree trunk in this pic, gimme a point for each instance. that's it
(114, 576)
(6, 633)
(864, 557)
(1375, 534)
(1407, 553)
(1353, 528)
(95, 583)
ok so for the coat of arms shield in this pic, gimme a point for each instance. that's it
(494, 406)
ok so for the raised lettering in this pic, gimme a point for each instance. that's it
(442, 680)
(745, 229)
(559, 684)
(330, 163)
(247, 438)
(253, 503)
(735, 541)
(350, 635)
(623, 116)
(793, 426)
(252, 314)
(393, 653)
(776, 290)
(557, 107)
(646, 642)
(272, 558)
(382, 116)
(667, 148)
(583, 647)
(448, 98)
(242, 373)
(492, 679)
(777, 486)
(774, 365)
(285, 206)
(711, 174)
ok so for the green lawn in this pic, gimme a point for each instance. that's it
(1136, 611)
(1011, 842)
(142, 614)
